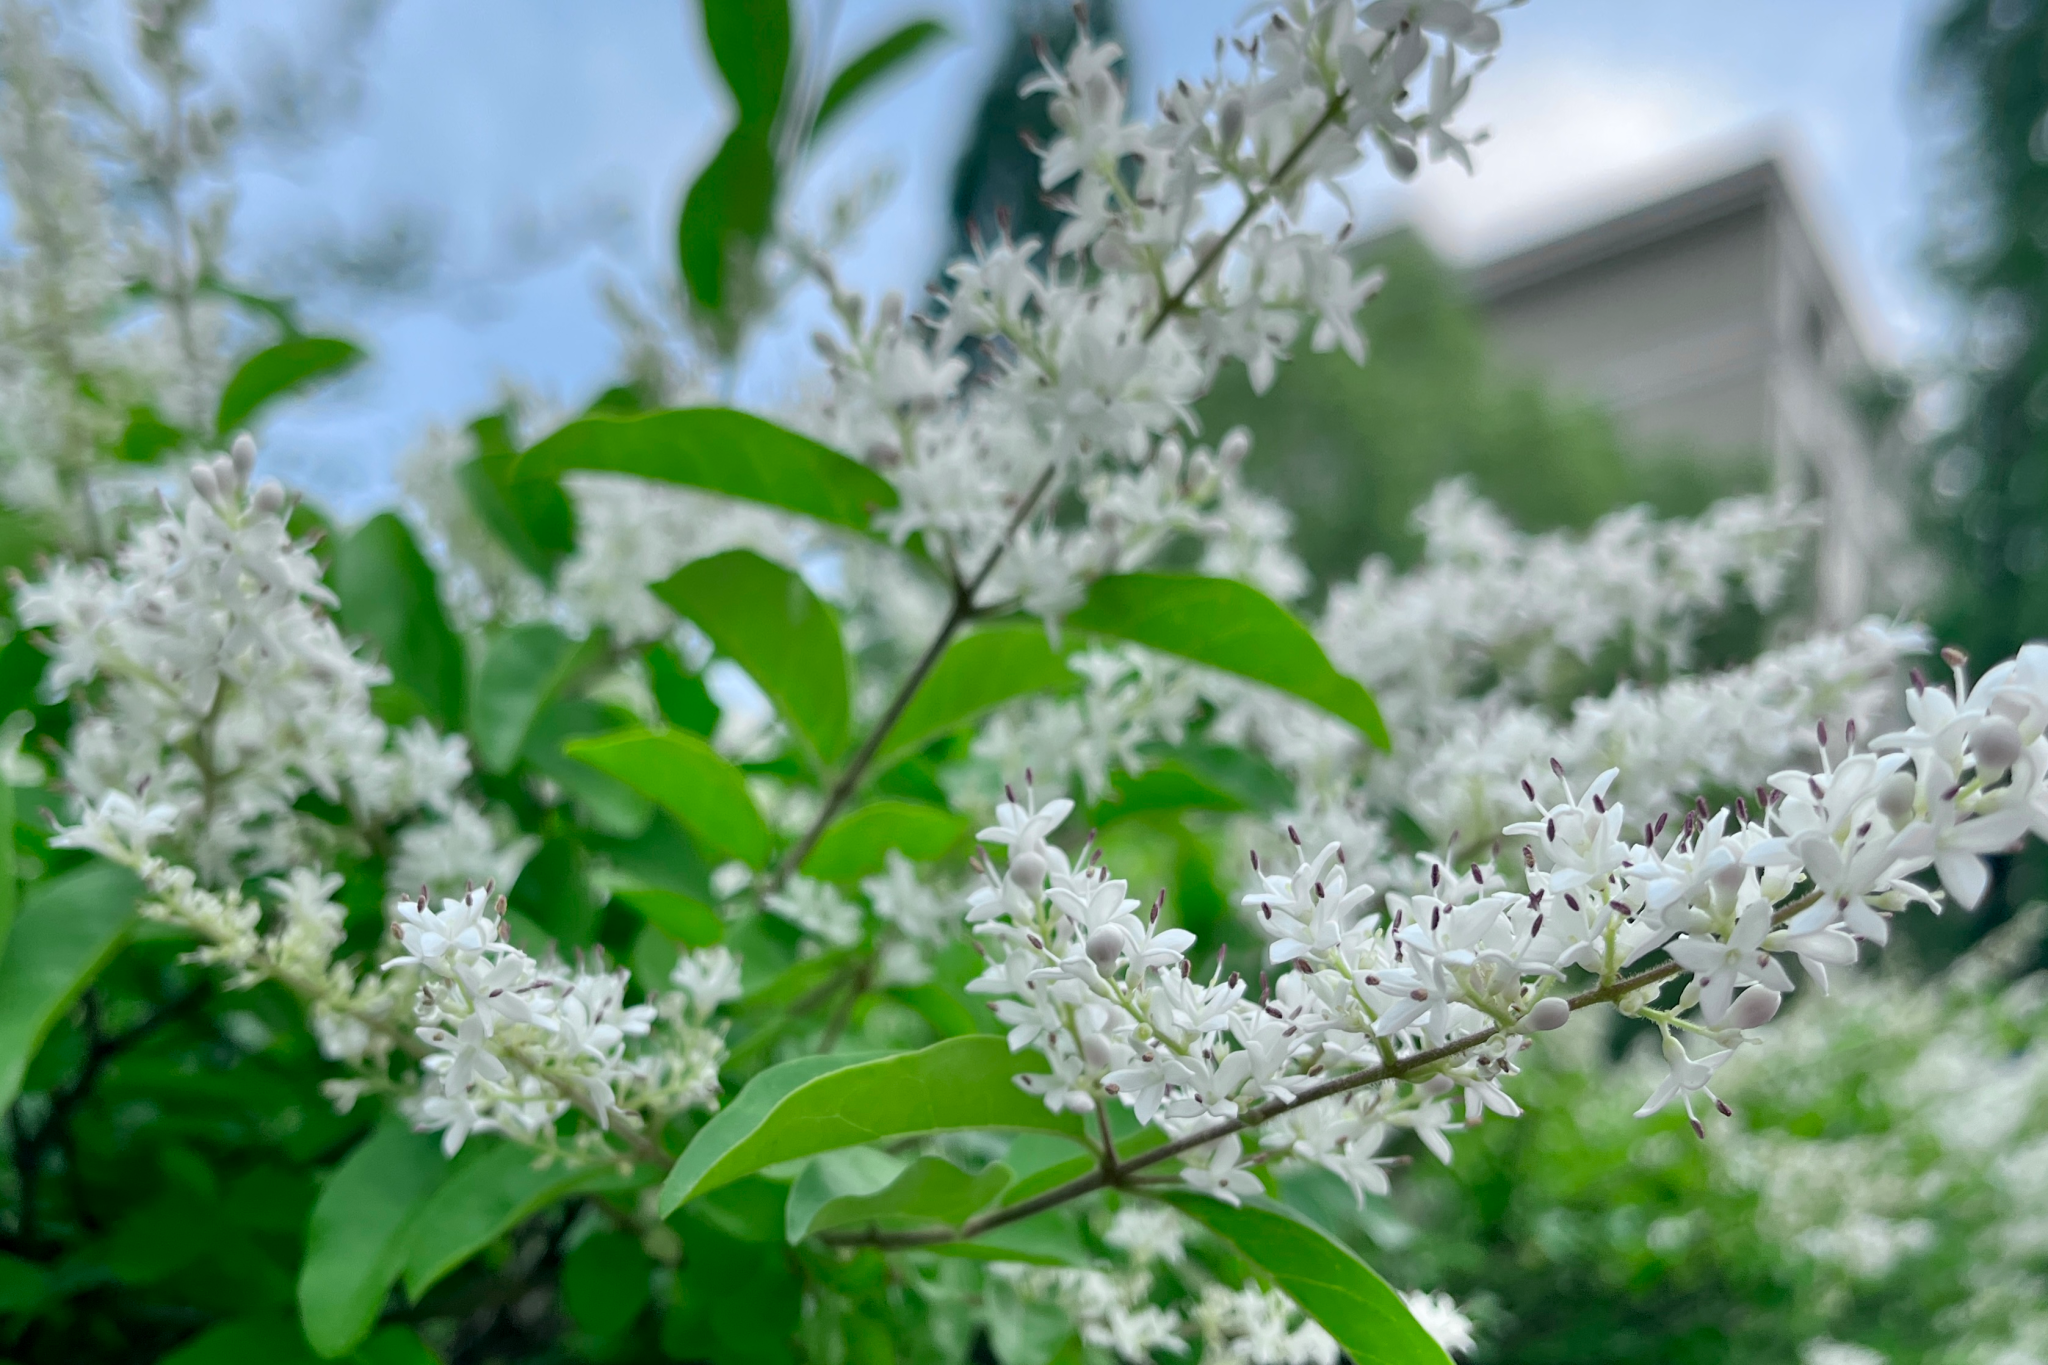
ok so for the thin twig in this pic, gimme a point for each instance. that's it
(1103, 1177)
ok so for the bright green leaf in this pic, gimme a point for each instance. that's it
(288, 366)
(818, 1104)
(929, 1190)
(492, 1189)
(857, 844)
(245, 1341)
(977, 672)
(393, 1345)
(750, 43)
(604, 804)
(10, 890)
(389, 597)
(721, 451)
(684, 919)
(1048, 1238)
(1229, 626)
(685, 777)
(605, 1283)
(874, 65)
(67, 930)
(522, 668)
(851, 1173)
(1332, 1285)
(356, 1243)
(763, 617)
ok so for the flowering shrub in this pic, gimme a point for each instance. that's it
(660, 1013)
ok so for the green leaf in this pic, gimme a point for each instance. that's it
(681, 694)
(393, 1345)
(682, 918)
(1229, 626)
(147, 436)
(1048, 1238)
(749, 41)
(928, 1190)
(817, 1104)
(1332, 1285)
(605, 1283)
(522, 669)
(976, 673)
(532, 518)
(68, 929)
(290, 365)
(685, 777)
(763, 617)
(245, 1341)
(389, 597)
(857, 844)
(492, 1189)
(10, 888)
(727, 214)
(875, 64)
(720, 451)
(604, 804)
(23, 1285)
(356, 1242)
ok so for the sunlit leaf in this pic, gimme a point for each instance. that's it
(720, 451)
(1230, 626)
(976, 673)
(684, 776)
(817, 1104)
(763, 617)
(857, 844)
(1332, 1285)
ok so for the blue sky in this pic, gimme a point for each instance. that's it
(549, 142)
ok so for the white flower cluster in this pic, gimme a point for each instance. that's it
(220, 692)
(515, 1043)
(1436, 992)
(1094, 365)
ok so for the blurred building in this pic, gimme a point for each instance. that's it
(1713, 317)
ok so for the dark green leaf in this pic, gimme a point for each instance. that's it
(148, 436)
(927, 1190)
(288, 366)
(684, 776)
(394, 1345)
(605, 1283)
(976, 673)
(389, 597)
(245, 1341)
(10, 889)
(857, 845)
(1332, 1285)
(532, 518)
(749, 41)
(69, 927)
(857, 76)
(727, 215)
(1230, 626)
(681, 694)
(553, 893)
(604, 804)
(356, 1243)
(23, 1285)
(720, 451)
(762, 617)
(492, 1189)
(817, 1104)
(682, 918)
(522, 669)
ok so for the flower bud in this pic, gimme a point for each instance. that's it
(1104, 946)
(270, 498)
(1728, 880)
(1754, 1008)
(1095, 1051)
(1235, 445)
(243, 454)
(1895, 796)
(1230, 125)
(204, 483)
(1995, 744)
(1551, 1012)
(224, 474)
(1027, 870)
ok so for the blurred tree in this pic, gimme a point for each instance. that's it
(1353, 450)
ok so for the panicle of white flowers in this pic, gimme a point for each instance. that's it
(1362, 984)
(220, 690)
(514, 1042)
(1099, 344)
